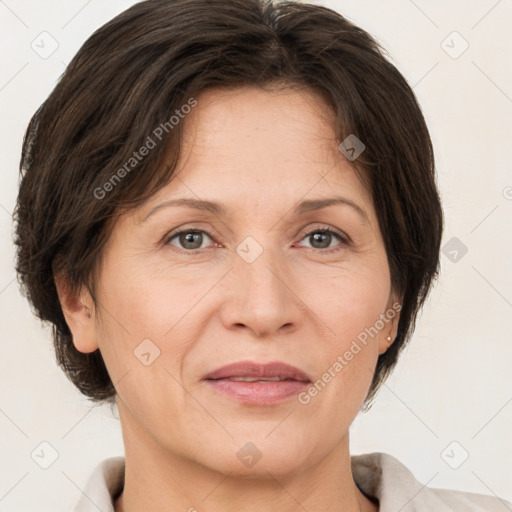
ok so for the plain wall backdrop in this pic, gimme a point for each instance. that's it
(446, 412)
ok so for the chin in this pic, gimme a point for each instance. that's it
(257, 455)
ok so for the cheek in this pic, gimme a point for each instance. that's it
(351, 304)
(144, 299)
(148, 310)
(350, 299)
(143, 342)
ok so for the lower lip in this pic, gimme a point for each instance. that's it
(259, 392)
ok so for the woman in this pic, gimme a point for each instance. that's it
(229, 213)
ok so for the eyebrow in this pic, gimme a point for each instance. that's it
(221, 210)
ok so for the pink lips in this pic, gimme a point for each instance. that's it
(266, 384)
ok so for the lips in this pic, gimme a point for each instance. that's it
(254, 384)
(248, 371)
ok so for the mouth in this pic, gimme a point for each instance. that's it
(255, 379)
(258, 384)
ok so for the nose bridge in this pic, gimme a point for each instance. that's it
(264, 300)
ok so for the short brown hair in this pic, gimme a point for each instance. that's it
(144, 65)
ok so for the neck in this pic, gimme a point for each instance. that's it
(156, 478)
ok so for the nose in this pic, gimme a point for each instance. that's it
(261, 296)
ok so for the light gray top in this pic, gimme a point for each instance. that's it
(378, 475)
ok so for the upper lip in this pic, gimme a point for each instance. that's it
(251, 369)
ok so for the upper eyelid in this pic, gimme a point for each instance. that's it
(344, 238)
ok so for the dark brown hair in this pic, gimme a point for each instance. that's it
(142, 67)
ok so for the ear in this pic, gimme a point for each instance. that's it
(391, 319)
(79, 314)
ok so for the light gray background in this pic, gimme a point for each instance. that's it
(453, 384)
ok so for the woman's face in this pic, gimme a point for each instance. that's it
(259, 282)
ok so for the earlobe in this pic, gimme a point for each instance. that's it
(78, 310)
(390, 331)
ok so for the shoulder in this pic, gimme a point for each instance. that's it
(383, 477)
(103, 485)
(469, 501)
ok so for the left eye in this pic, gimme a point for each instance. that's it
(324, 237)
(192, 239)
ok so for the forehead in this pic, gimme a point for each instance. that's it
(256, 149)
(292, 124)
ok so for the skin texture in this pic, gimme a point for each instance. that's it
(302, 302)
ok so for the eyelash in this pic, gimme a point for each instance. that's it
(345, 241)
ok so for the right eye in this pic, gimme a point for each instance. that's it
(191, 240)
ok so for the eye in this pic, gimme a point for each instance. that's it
(322, 237)
(190, 240)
